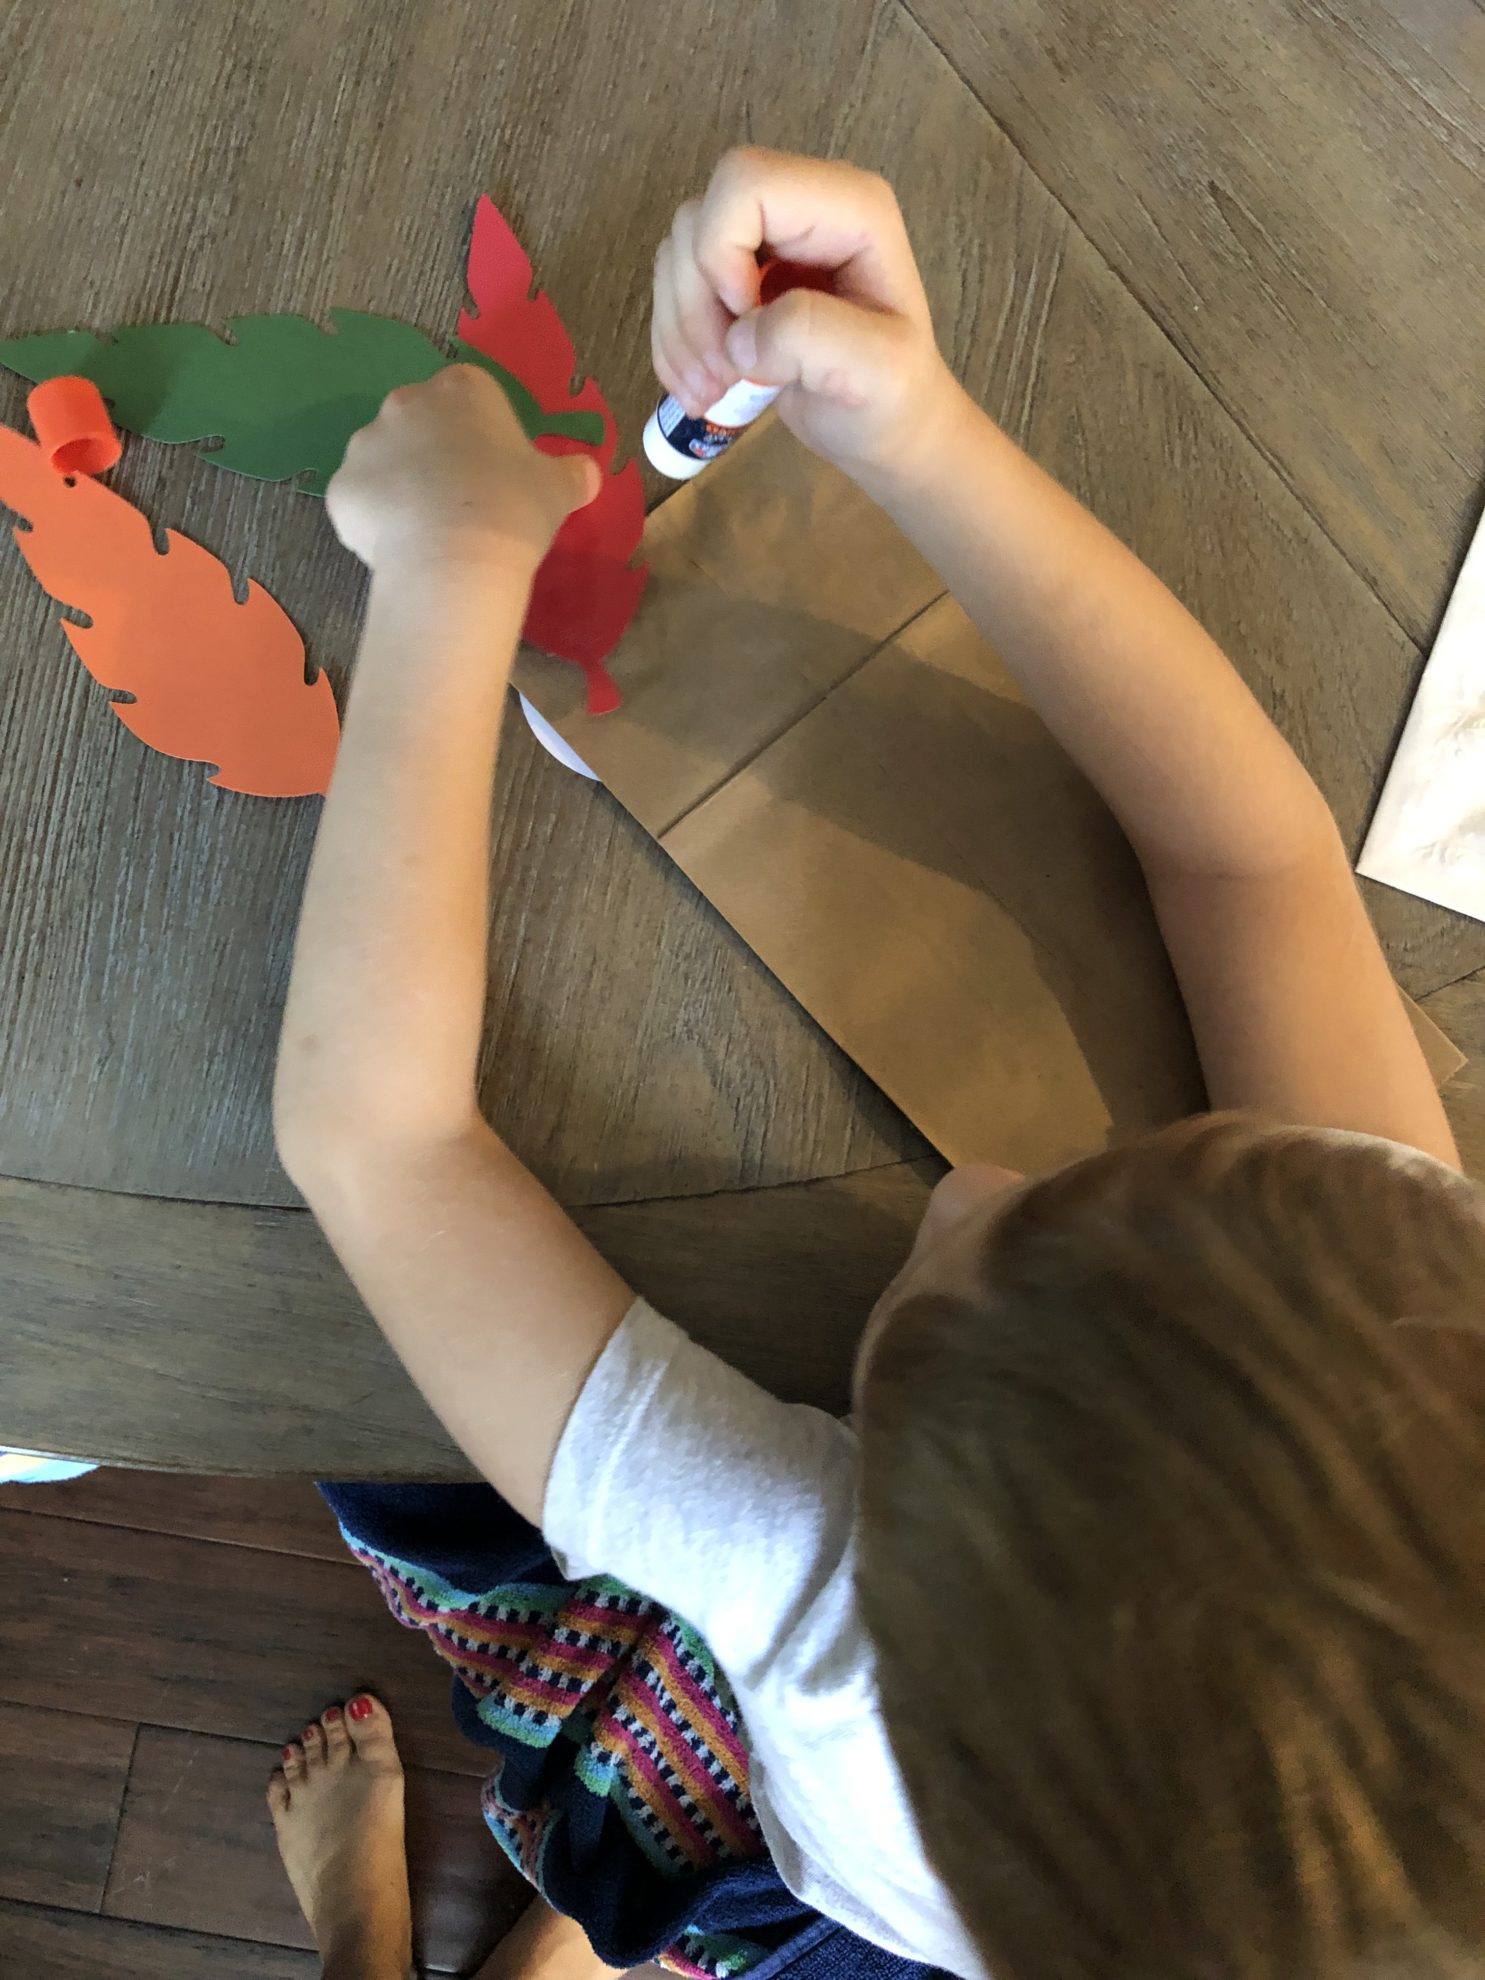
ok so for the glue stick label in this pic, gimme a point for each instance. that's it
(713, 433)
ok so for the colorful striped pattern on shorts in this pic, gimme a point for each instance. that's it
(631, 1688)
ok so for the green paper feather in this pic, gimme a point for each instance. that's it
(284, 396)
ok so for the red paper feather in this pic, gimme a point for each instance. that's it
(214, 681)
(519, 330)
(588, 587)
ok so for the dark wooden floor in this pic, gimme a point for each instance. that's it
(160, 1638)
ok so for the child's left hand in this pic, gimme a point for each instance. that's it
(444, 474)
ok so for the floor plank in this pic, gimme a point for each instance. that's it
(65, 1945)
(63, 1780)
(1293, 192)
(278, 1515)
(184, 1633)
(196, 1850)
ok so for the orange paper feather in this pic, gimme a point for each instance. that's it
(214, 681)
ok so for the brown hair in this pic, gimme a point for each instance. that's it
(1173, 1552)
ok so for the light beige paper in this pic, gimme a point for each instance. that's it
(1428, 835)
(825, 745)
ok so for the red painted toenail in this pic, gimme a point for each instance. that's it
(332, 1711)
(360, 1708)
(289, 1752)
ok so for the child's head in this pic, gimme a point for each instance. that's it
(1173, 1550)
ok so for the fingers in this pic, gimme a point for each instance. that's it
(829, 346)
(441, 413)
(457, 391)
(814, 210)
(580, 479)
(689, 322)
(450, 455)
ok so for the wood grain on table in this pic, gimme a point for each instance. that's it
(1212, 267)
(273, 156)
(1292, 191)
(223, 1341)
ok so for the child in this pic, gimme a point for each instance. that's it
(1142, 1633)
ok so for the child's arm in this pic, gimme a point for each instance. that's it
(1290, 998)
(493, 1299)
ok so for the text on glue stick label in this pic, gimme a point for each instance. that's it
(713, 433)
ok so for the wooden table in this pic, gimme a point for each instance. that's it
(1221, 273)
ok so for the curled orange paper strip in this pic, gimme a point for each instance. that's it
(72, 425)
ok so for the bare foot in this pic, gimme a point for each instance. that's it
(337, 1807)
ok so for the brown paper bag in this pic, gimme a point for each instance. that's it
(821, 740)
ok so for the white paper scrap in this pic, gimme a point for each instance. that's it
(552, 743)
(1428, 835)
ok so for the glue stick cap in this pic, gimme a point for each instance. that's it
(72, 426)
(680, 446)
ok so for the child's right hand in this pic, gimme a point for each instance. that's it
(444, 474)
(864, 380)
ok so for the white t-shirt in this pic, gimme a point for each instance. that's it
(737, 1512)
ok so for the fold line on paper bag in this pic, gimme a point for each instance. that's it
(1037, 942)
(803, 714)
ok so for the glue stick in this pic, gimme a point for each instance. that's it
(680, 446)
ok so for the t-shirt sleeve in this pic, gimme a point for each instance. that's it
(685, 1480)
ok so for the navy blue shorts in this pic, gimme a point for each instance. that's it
(619, 1766)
